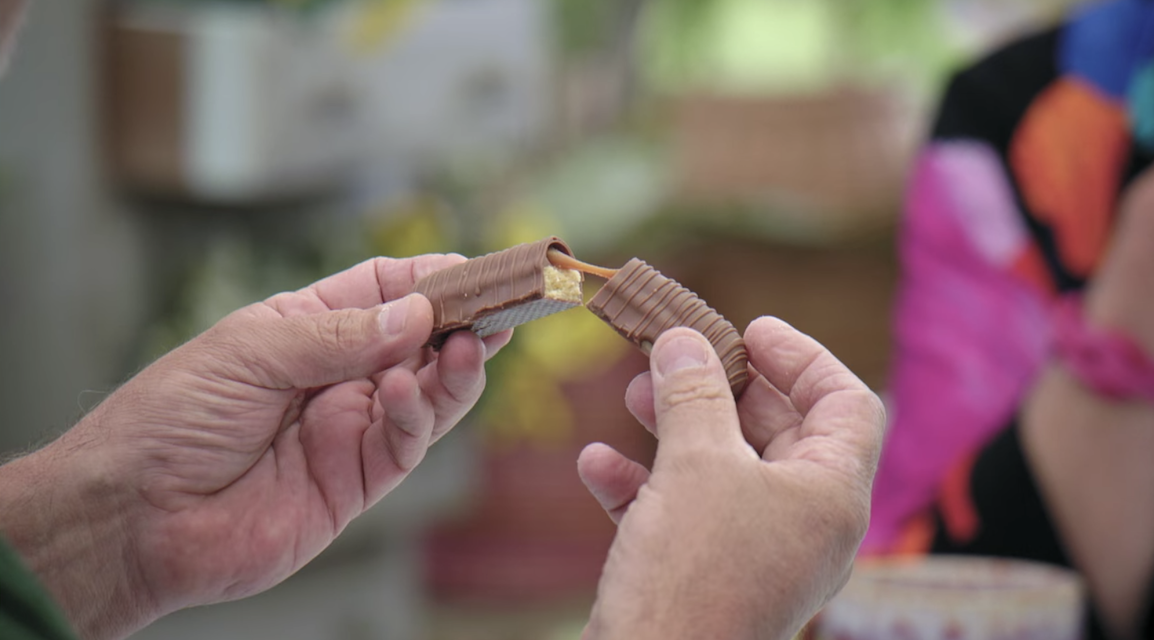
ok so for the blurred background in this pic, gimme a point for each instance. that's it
(165, 162)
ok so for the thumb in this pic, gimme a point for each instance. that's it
(325, 348)
(691, 394)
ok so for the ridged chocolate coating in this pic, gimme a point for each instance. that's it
(494, 292)
(641, 304)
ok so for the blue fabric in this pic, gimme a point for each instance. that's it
(1108, 43)
(1141, 107)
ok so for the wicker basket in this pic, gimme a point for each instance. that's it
(829, 163)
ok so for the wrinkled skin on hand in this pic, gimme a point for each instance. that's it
(232, 461)
(750, 518)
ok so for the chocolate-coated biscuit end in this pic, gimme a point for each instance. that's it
(500, 290)
(640, 303)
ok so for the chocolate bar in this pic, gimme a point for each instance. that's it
(500, 290)
(641, 304)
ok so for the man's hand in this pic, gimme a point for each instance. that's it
(231, 462)
(750, 518)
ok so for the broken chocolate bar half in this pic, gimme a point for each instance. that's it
(501, 290)
(641, 304)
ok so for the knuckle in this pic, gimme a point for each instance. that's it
(408, 460)
(226, 328)
(405, 460)
(464, 390)
(340, 332)
(231, 349)
(406, 443)
(279, 301)
(693, 390)
(226, 335)
(872, 406)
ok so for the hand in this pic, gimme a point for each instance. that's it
(752, 514)
(231, 462)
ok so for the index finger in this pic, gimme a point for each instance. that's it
(796, 364)
(368, 284)
(843, 422)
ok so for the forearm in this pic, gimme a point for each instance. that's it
(63, 513)
(1091, 453)
(1092, 459)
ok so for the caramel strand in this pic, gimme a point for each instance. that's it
(562, 260)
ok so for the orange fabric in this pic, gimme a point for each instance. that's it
(917, 536)
(957, 507)
(1068, 156)
(1031, 266)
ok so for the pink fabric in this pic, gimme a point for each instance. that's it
(1107, 362)
(970, 335)
(980, 199)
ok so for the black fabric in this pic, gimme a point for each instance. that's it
(987, 103)
(1014, 521)
(1138, 162)
(1148, 625)
(988, 100)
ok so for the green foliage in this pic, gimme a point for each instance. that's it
(583, 25)
(743, 46)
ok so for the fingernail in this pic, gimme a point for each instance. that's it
(394, 316)
(681, 353)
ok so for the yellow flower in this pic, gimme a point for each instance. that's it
(378, 21)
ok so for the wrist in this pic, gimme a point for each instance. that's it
(1106, 360)
(64, 511)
